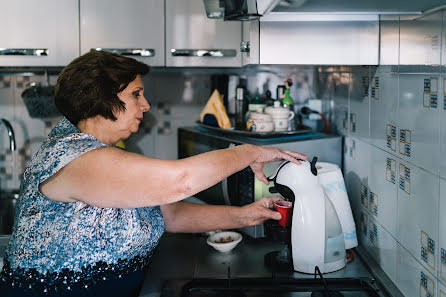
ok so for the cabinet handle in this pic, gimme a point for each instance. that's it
(141, 52)
(217, 53)
(245, 46)
(23, 52)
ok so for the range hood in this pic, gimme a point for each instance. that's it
(242, 10)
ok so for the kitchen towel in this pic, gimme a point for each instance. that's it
(331, 179)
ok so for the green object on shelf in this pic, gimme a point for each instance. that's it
(287, 100)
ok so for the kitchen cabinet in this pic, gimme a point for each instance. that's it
(250, 54)
(39, 33)
(135, 29)
(194, 40)
(313, 40)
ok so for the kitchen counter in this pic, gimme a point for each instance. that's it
(187, 256)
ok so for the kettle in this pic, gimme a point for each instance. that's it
(316, 234)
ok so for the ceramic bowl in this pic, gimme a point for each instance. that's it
(224, 241)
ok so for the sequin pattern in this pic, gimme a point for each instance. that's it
(59, 246)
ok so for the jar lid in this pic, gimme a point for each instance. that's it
(260, 116)
(277, 109)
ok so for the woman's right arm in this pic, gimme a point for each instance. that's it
(110, 177)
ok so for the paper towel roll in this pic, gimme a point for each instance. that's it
(331, 179)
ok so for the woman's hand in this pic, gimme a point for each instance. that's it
(258, 212)
(271, 155)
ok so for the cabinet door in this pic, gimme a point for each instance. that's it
(192, 39)
(250, 44)
(39, 33)
(133, 28)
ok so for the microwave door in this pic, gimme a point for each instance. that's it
(224, 185)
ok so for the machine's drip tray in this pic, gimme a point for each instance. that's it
(256, 287)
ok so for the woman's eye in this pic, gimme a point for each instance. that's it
(136, 94)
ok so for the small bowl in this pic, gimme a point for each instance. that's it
(219, 241)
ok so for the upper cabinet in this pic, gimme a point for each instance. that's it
(312, 40)
(135, 29)
(39, 33)
(194, 40)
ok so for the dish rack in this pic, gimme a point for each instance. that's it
(39, 101)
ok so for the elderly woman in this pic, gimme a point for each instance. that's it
(89, 214)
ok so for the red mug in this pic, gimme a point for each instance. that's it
(284, 208)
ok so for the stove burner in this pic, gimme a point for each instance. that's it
(231, 293)
(329, 294)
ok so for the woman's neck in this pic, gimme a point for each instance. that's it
(100, 128)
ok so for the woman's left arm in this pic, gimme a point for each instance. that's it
(191, 217)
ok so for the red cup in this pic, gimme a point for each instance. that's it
(284, 208)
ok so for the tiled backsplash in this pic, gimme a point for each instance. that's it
(176, 98)
(395, 168)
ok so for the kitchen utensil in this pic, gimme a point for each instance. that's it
(224, 241)
(281, 116)
(316, 234)
(330, 177)
(260, 122)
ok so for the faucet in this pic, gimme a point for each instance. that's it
(12, 145)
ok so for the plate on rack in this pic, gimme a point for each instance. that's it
(301, 130)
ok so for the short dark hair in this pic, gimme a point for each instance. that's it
(89, 85)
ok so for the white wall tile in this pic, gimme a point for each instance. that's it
(380, 244)
(441, 290)
(412, 278)
(442, 234)
(383, 178)
(383, 109)
(359, 103)
(442, 111)
(341, 82)
(418, 120)
(356, 164)
(417, 229)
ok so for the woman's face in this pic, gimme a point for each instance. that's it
(135, 105)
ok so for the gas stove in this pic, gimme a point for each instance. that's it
(253, 287)
(197, 270)
(276, 285)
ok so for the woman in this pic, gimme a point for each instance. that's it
(89, 214)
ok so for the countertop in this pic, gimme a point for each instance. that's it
(186, 256)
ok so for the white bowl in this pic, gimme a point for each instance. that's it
(224, 247)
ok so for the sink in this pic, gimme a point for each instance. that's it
(7, 207)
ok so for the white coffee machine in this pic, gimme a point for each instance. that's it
(316, 234)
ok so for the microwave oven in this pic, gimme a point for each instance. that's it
(243, 187)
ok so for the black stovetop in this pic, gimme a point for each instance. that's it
(187, 266)
(271, 287)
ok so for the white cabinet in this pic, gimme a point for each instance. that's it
(39, 33)
(135, 29)
(192, 39)
(250, 54)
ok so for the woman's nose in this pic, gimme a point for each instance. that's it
(145, 105)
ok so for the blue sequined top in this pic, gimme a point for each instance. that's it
(57, 247)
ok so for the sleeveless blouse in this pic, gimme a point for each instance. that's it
(60, 247)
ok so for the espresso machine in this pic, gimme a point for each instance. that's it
(314, 239)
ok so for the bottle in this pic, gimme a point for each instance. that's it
(240, 107)
(288, 102)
